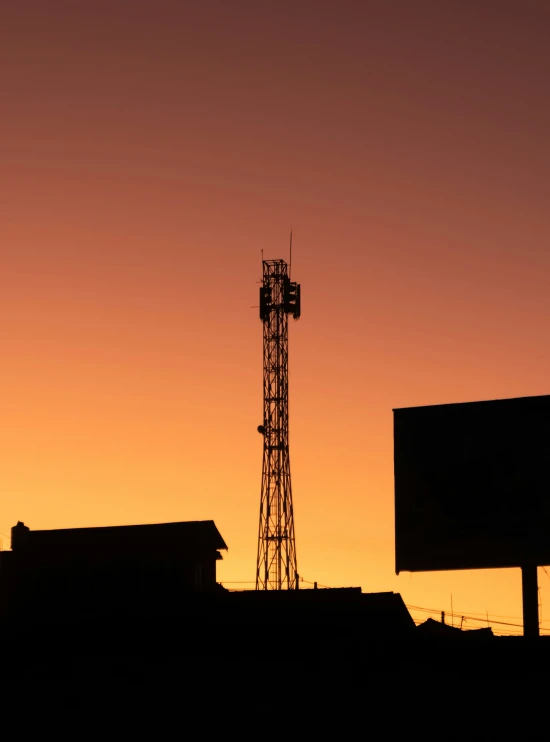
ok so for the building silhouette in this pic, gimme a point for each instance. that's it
(85, 573)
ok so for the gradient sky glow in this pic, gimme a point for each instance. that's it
(150, 150)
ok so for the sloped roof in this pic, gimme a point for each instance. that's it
(187, 535)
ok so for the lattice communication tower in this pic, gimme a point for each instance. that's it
(276, 564)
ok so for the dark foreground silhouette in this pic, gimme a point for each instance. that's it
(98, 634)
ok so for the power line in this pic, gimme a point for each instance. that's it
(479, 620)
(471, 616)
(501, 631)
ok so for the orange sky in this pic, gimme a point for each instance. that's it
(150, 150)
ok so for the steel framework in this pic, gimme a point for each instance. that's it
(276, 567)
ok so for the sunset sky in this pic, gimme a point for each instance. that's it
(150, 150)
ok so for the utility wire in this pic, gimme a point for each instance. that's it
(471, 617)
(482, 621)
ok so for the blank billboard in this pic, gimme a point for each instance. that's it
(472, 485)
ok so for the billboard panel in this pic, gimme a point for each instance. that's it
(472, 485)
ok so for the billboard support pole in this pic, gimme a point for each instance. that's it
(530, 592)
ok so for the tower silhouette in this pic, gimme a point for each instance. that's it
(276, 567)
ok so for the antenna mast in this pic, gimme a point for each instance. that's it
(290, 258)
(276, 567)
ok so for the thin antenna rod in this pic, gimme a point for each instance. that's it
(290, 261)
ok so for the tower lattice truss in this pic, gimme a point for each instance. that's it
(276, 563)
